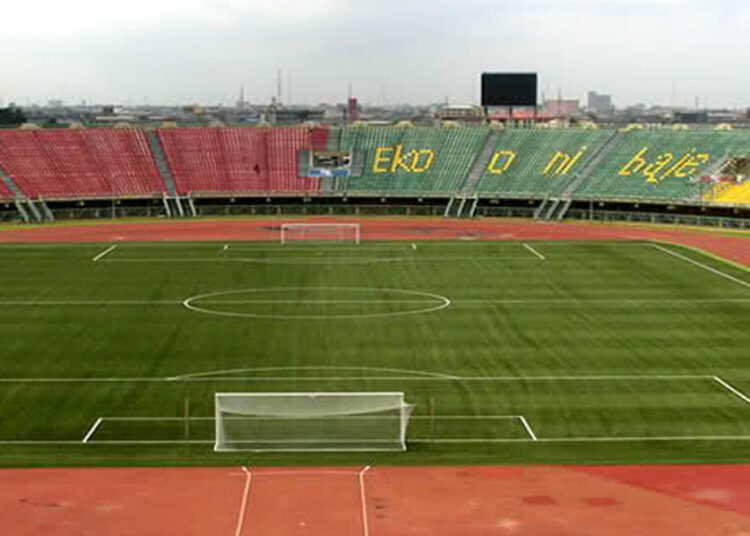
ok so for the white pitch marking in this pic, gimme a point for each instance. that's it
(208, 374)
(104, 253)
(361, 478)
(257, 474)
(594, 439)
(701, 265)
(732, 389)
(92, 430)
(92, 302)
(528, 427)
(535, 252)
(351, 378)
(245, 495)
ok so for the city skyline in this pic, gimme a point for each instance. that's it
(666, 52)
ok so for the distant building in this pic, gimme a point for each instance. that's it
(562, 107)
(599, 103)
(461, 112)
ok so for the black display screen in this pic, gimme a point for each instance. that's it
(509, 89)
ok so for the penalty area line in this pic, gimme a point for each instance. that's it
(104, 253)
(739, 394)
(92, 430)
(526, 425)
(535, 252)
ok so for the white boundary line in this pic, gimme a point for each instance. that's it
(245, 495)
(732, 389)
(528, 427)
(701, 265)
(104, 253)
(92, 430)
(535, 252)
(363, 499)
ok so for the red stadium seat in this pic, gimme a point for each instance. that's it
(226, 160)
(80, 163)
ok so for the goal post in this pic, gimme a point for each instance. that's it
(320, 232)
(311, 421)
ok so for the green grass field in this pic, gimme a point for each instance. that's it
(611, 352)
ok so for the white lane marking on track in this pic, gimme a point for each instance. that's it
(104, 253)
(363, 498)
(245, 496)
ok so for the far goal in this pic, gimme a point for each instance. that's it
(311, 421)
(292, 233)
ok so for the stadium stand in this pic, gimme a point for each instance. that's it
(5, 193)
(738, 194)
(412, 160)
(660, 164)
(583, 164)
(64, 164)
(534, 162)
(236, 160)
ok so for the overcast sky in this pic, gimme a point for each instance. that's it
(179, 51)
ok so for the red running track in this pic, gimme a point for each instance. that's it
(733, 247)
(384, 501)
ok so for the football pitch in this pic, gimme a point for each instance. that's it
(111, 354)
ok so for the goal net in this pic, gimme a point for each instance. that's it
(320, 232)
(325, 421)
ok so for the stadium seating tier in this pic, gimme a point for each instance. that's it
(652, 164)
(205, 160)
(56, 164)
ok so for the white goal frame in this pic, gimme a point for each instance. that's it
(272, 410)
(286, 227)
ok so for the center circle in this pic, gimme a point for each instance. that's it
(316, 303)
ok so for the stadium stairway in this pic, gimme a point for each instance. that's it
(481, 162)
(9, 191)
(172, 203)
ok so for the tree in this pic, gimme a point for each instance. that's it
(11, 116)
